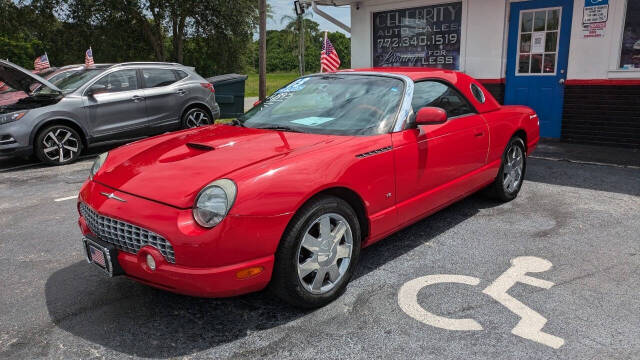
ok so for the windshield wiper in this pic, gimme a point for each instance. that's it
(280, 127)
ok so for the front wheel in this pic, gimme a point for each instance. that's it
(507, 184)
(58, 145)
(317, 254)
(195, 117)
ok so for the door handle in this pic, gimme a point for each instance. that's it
(137, 98)
(480, 133)
(181, 92)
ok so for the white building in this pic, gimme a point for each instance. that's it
(576, 62)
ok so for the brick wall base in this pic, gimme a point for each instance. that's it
(602, 115)
(496, 89)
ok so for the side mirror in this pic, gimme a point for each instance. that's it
(431, 115)
(96, 89)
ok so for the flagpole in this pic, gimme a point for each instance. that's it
(324, 47)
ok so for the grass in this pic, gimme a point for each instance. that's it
(275, 81)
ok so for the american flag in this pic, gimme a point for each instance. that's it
(329, 60)
(88, 58)
(41, 63)
(97, 257)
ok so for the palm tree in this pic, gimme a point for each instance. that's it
(295, 24)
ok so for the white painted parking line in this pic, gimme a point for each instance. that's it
(530, 324)
(583, 162)
(66, 198)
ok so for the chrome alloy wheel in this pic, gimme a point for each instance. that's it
(60, 145)
(197, 118)
(512, 169)
(324, 253)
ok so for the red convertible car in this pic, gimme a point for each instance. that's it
(288, 194)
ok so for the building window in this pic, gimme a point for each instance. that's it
(421, 36)
(630, 52)
(538, 41)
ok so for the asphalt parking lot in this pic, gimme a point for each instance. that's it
(582, 218)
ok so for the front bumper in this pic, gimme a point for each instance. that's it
(14, 139)
(204, 282)
(207, 261)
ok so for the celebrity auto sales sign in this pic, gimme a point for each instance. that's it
(421, 36)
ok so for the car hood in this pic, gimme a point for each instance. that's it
(20, 78)
(173, 168)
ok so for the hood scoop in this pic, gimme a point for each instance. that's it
(202, 147)
(190, 150)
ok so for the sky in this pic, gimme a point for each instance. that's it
(285, 7)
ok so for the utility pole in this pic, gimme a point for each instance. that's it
(299, 9)
(300, 55)
(302, 46)
(262, 63)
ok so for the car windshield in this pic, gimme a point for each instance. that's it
(71, 82)
(55, 79)
(339, 104)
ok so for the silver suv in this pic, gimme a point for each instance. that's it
(101, 104)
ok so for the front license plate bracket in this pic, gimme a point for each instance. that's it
(103, 255)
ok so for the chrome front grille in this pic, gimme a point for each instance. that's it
(124, 236)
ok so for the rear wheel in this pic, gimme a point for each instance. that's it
(195, 117)
(58, 145)
(509, 180)
(317, 254)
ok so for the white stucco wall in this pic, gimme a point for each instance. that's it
(480, 49)
(484, 38)
(598, 58)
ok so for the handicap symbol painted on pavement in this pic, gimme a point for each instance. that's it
(530, 324)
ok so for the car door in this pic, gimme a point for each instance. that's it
(162, 98)
(116, 106)
(434, 164)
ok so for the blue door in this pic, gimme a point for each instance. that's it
(538, 49)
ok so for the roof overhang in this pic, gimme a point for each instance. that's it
(330, 2)
(314, 5)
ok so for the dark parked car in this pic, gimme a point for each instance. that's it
(102, 104)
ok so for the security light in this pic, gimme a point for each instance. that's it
(299, 7)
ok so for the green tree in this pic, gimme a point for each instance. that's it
(296, 28)
(165, 30)
(282, 54)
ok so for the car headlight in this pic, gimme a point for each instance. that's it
(213, 202)
(97, 164)
(7, 118)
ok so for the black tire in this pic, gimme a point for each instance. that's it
(285, 282)
(58, 145)
(498, 190)
(195, 117)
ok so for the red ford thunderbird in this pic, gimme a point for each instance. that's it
(288, 194)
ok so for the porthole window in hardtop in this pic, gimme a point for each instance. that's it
(477, 93)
